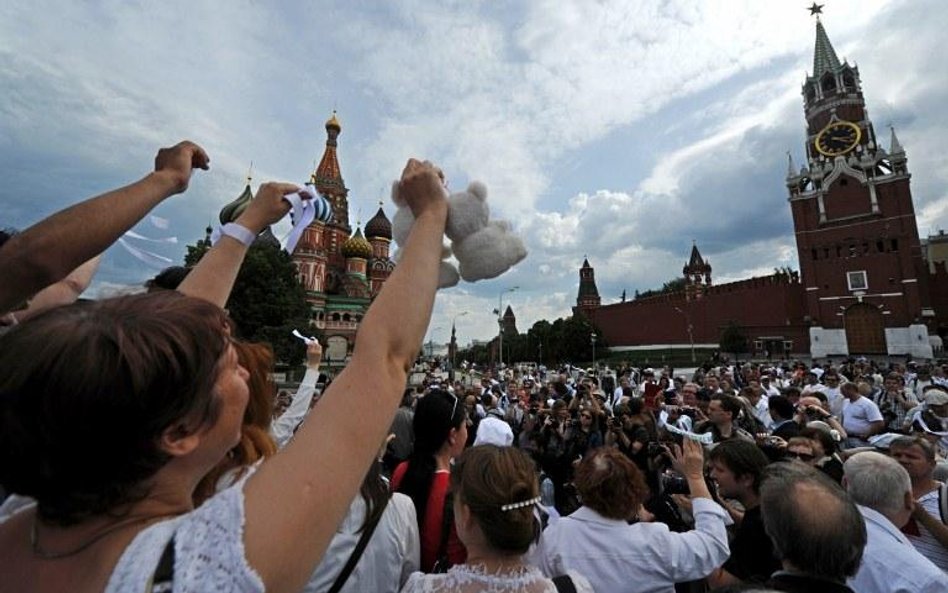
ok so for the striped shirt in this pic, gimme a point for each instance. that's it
(925, 542)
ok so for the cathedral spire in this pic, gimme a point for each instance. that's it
(791, 167)
(328, 175)
(824, 56)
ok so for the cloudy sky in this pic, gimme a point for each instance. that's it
(618, 130)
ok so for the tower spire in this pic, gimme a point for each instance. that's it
(895, 147)
(791, 167)
(824, 56)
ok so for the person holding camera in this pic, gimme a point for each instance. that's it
(598, 542)
(628, 436)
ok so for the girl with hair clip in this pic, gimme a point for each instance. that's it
(440, 426)
(495, 492)
(112, 412)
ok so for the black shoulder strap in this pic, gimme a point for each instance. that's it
(446, 519)
(367, 532)
(564, 584)
(943, 502)
(163, 579)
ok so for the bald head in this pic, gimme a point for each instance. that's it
(815, 528)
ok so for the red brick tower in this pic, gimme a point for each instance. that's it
(697, 274)
(857, 240)
(588, 298)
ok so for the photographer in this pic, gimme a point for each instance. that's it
(629, 437)
(894, 402)
(811, 409)
(555, 461)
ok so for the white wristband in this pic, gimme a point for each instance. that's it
(238, 232)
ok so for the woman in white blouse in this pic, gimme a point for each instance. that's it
(112, 412)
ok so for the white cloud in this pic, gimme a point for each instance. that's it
(513, 94)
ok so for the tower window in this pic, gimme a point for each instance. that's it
(826, 252)
(894, 245)
(813, 253)
(857, 280)
(880, 246)
(839, 250)
(849, 81)
(852, 250)
(828, 83)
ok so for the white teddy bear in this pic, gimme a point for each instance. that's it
(484, 248)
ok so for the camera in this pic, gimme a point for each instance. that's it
(675, 484)
(656, 449)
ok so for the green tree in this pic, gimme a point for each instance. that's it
(733, 339)
(267, 302)
(673, 285)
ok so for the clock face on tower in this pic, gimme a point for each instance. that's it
(839, 137)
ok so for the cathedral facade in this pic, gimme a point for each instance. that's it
(864, 287)
(341, 271)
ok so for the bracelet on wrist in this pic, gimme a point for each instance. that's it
(238, 232)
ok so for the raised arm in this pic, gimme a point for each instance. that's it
(282, 428)
(297, 498)
(52, 248)
(64, 292)
(213, 277)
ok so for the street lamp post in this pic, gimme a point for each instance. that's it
(454, 350)
(500, 324)
(691, 336)
(593, 337)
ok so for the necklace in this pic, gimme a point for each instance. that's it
(40, 552)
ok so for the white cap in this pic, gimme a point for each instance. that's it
(494, 431)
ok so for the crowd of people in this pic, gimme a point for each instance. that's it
(143, 446)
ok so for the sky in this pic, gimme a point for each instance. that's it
(616, 130)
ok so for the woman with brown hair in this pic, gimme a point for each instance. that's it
(598, 541)
(495, 496)
(261, 436)
(112, 412)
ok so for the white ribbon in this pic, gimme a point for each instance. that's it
(306, 340)
(704, 439)
(152, 259)
(306, 206)
(134, 235)
(159, 222)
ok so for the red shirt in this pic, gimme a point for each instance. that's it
(430, 530)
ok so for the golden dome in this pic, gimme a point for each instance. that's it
(357, 246)
(333, 122)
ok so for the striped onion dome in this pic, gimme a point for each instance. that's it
(323, 208)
